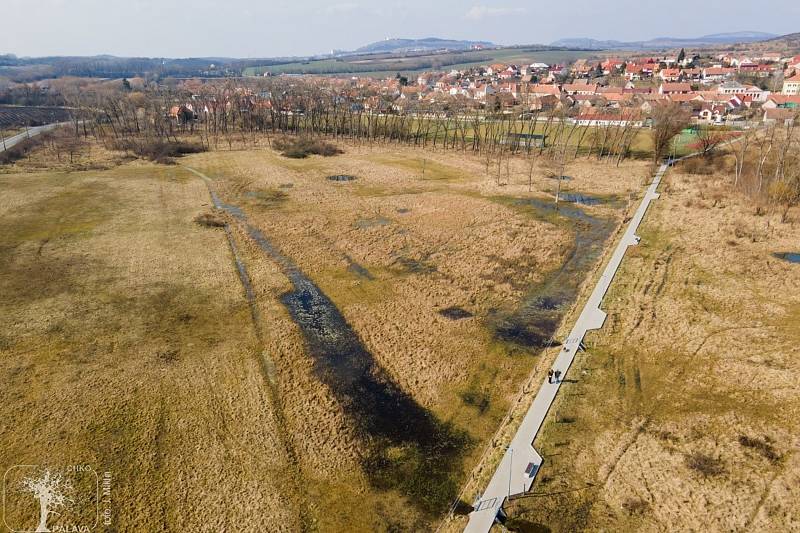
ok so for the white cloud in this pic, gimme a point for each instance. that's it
(482, 12)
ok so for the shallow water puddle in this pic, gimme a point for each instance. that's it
(792, 257)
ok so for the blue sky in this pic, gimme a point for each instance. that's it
(253, 28)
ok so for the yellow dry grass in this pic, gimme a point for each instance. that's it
(127, 342)
(684, 415)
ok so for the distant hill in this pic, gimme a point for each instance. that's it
(416, 45)
(787, 42)
(666, 42)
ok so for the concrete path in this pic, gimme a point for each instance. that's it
(10, 142)
(521, 462)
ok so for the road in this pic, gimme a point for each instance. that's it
(521, 462)
(10, 142)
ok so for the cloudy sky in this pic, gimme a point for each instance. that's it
(264, 28)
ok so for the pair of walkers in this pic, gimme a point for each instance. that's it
(553, 376)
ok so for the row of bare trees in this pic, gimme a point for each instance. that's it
(225, 114)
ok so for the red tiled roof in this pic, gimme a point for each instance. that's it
(684, 97)
(719, 71)
(780, 114)
(782, 99)
(676, 87)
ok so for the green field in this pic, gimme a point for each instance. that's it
(385, 65)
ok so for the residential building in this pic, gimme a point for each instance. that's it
(791, 86)
(782, 101)
(674, 88)
(780, 116)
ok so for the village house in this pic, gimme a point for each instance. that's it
(717, 74)
(539, 89)
(481, 92)
(494, 70)
(712, 113)
(791, 86)
(685, 98)
(670, 74)
(781, 101)
(544, 103)
(579, 88)
(581, 68)
(182, 114)
(634, 72)
(780, 116)
(674, 88)
(611, 65)
(508, 73)
(733, 87)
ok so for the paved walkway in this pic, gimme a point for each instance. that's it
(521, 462)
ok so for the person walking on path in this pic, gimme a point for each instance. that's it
(550, 376)
(558, 375)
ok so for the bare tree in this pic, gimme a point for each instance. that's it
(740, 153)
(709, 140)
(668, 121)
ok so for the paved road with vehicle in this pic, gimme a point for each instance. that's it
(521, 462)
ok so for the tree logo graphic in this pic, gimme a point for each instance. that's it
(38, 499)
(50, 490)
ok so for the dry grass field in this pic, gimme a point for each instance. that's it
(381, 361)
(683, 414)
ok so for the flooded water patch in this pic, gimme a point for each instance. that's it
(532, 324)
(455, 313)
(579, 198)
(366, 223)
(409, 449)
(792, 257)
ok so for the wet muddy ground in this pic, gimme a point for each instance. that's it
(455, 313)
(409, 449)
(533, 323)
